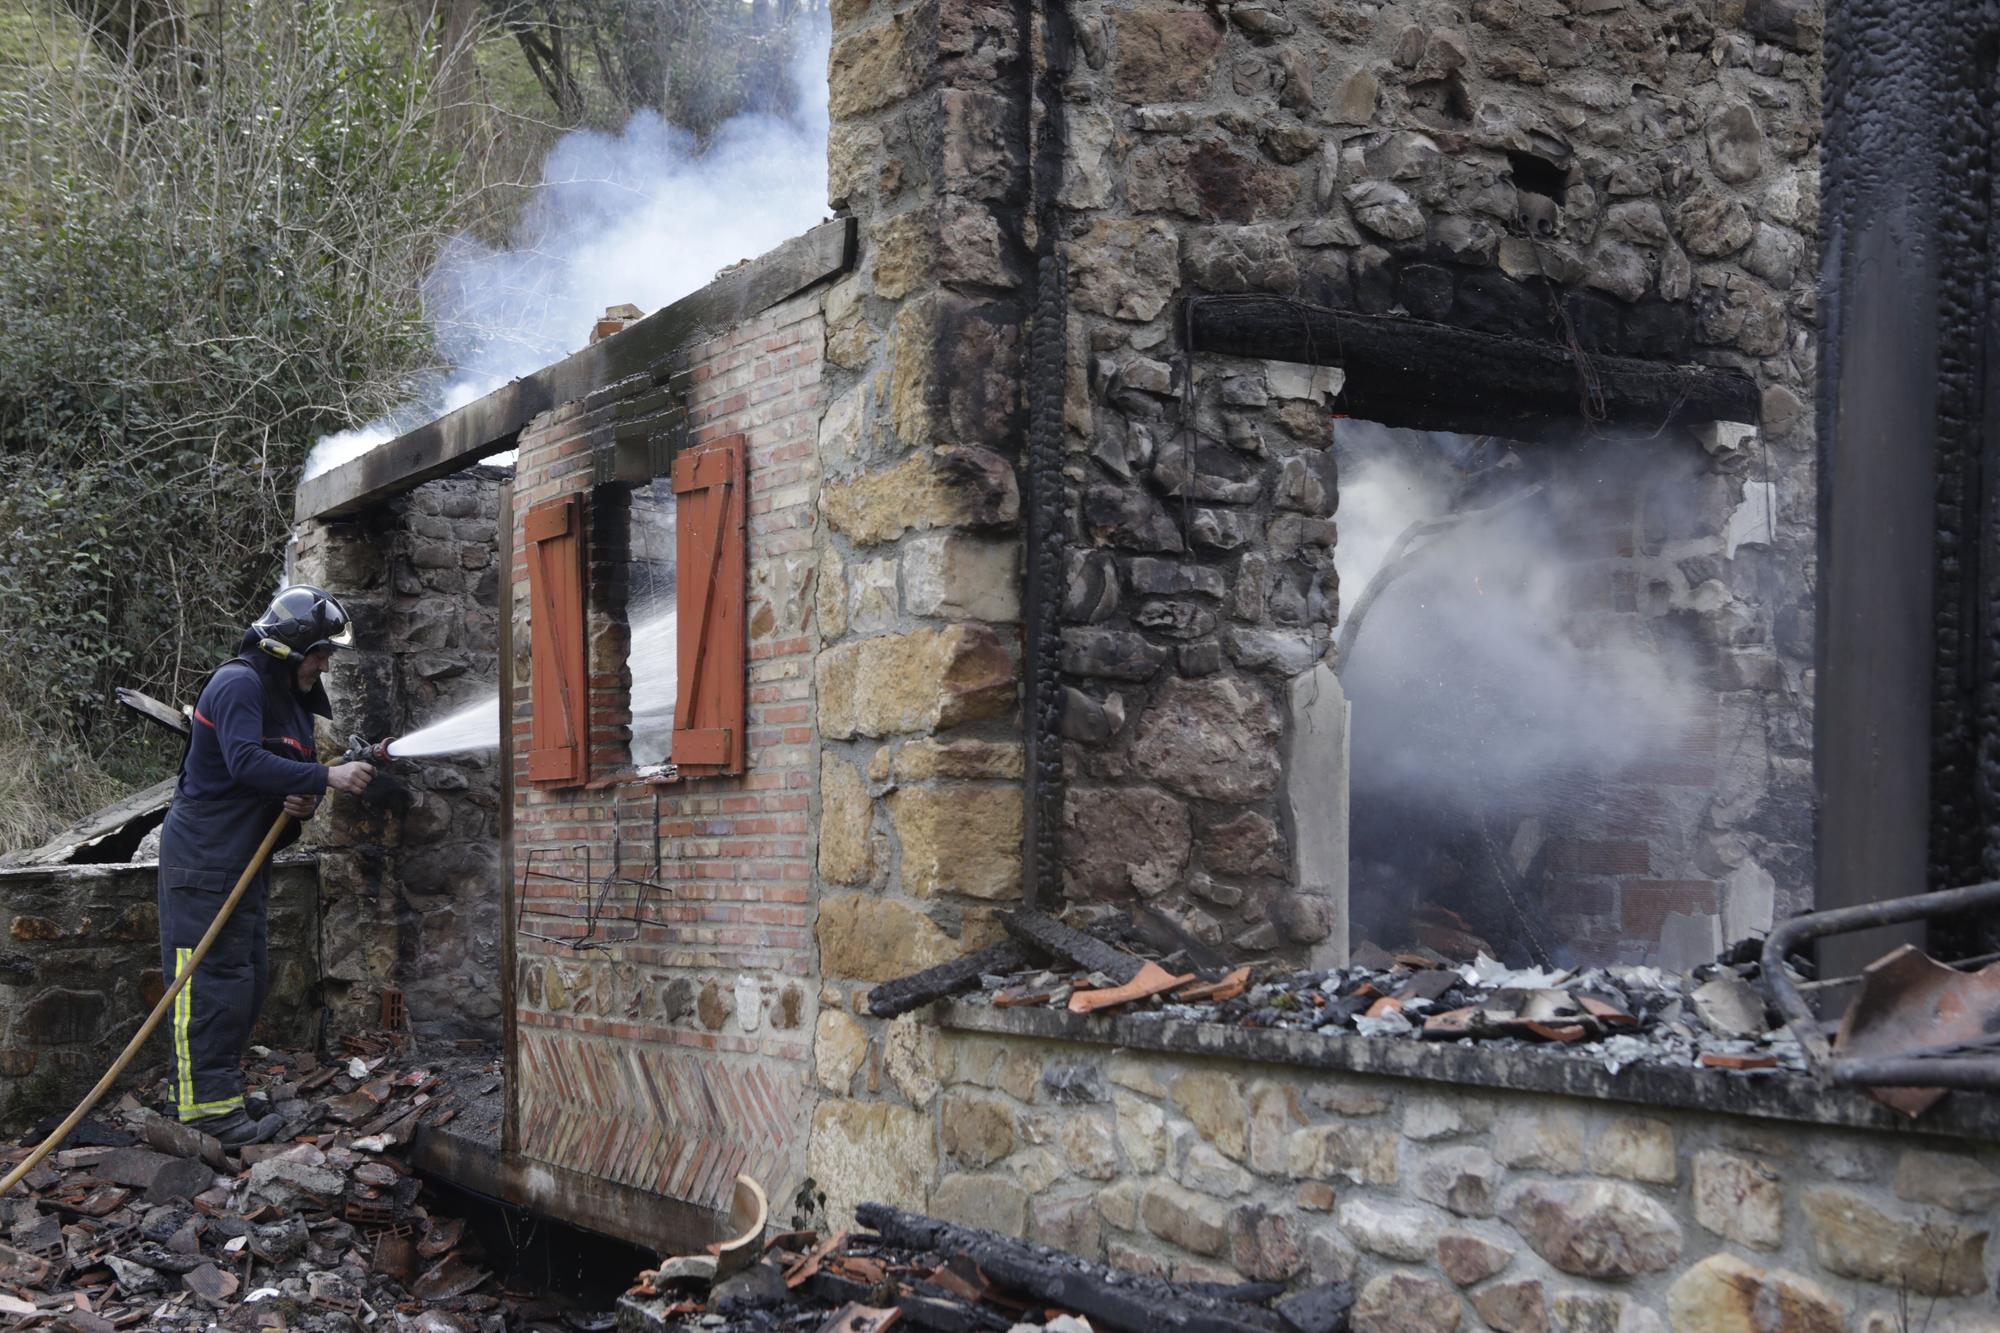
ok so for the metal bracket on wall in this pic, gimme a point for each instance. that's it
(593, 895)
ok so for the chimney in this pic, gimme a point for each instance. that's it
(614, 321)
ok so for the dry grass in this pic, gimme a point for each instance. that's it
(47, 783)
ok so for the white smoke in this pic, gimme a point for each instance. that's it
(1490, 672)
(643, 216)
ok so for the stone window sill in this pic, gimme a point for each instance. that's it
(1768, 1096)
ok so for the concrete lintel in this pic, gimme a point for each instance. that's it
(489, 425)
(640, 1217)
(1792, 1097)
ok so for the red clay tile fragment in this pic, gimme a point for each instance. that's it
(1151, 980)
(1228, 988)
(1722, 1060)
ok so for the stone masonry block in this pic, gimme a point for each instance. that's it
(866, 938)
(959, 838)
(928, 680)
(956, 577)
(846, 838)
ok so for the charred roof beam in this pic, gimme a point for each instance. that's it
(1424, 376)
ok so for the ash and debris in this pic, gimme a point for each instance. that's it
(905, 1269)
(139, 1222)
(1715, 1016)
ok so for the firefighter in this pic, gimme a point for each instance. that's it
(250, 754)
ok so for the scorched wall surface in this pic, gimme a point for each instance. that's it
(666, 1050)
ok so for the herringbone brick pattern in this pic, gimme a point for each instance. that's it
(675, 1122)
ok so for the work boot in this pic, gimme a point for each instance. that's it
(235, 1129)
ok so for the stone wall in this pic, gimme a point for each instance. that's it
(1636, 179)
(666, 1048)
(412, 881)
(1449, 1207)
(80, 969)
(921, 812)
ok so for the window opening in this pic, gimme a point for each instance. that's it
(1549, 762)
(652, 587)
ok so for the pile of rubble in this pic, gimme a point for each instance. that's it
(1619, 1015)
(140, 1222)
(908, 1269)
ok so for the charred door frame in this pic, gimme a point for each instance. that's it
(1907, 717)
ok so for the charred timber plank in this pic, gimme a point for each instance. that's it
(945, 980)
(1049, 936)
(490, 425)
(1109, 1297)
(1412, 373)
(922, 1309)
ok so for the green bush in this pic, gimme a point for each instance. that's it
(212, 257)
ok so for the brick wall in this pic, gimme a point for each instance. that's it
(1448, 1207)
(670, 1053)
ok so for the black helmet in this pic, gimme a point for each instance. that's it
(302, 619)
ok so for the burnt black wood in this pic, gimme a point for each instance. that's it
(1424, 376)
(492, 424)
(945, 980)
(1109, 1297)
(927, 1307)
(1321, 1309)
(1049, 936)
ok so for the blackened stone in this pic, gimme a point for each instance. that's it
(1093, 588)
(1425, 290)
(1321, 1309)
(1083, 718)
(1327, 280)
(1111, 654)
(179, 1178)
(1493, 303)
(1374, 280)
(1201, 659)
(62, 1017)
(1595, 320)
(1175, 620)
(760, 1287)
(985, 483)
(1793, 23)
(1219, 473)
(1126, 516)
(1150, 577)
(1659, 329)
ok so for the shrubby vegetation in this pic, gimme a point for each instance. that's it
(214, 228)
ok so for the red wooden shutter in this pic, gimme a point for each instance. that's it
(709, 708)
(560, 689)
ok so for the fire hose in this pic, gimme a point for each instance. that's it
(358, 749)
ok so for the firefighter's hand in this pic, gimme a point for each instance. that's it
(301, 807)
(351, 778)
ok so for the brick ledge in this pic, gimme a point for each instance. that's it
(1793, 1097)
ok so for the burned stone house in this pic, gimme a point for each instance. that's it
(1288, 477)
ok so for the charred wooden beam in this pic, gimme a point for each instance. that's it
(945, 980)
(922, 1309)
(1049, 936)
(1109, 1297)
(1415, 374)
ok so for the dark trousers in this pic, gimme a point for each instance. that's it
(212, 1017)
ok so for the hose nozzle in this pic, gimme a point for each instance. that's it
(360, 751)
